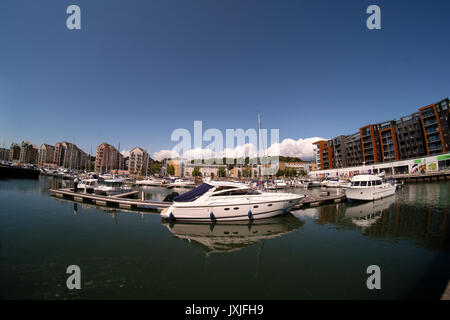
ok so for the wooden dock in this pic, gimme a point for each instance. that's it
(311, 201)
(119, 200)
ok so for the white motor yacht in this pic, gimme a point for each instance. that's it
(369, 187)
(88, 185)
(228, 201)
(111, 187)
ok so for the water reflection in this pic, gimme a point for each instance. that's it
(228, 237)
(367, 213)
(389, 219)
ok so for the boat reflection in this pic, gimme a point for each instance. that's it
(366, 214)
(233, 236)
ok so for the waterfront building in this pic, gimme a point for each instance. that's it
(408, 134)
(14, 152)
(435, 123)
(4, 154)
(207, 170)
(139, 162)
(68, 155)
(425, 164)
(299, 167)
(28, 153)
(185, 169)
(324, 154)
(108, 158)
(46, 153)
(419, 134)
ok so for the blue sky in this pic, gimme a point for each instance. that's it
(137, 70)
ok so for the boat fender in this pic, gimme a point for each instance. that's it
(250, 215)
(284, 211)
(212, 217)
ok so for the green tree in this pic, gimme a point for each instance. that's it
(156, 168)
(170, 170)
(280, 173)
(196, 172)
(290, 172)
(222, 172)
(247, 172)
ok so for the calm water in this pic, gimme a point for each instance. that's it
(317, 253)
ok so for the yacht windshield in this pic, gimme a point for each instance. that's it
(193, 194)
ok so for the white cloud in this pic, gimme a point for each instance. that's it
(165, 154)
(301, 148)
(125, 153)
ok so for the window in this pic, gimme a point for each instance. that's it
(363, 183)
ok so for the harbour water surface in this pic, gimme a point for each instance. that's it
(316, 253)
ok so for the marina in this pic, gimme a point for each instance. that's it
(127, 250)
(122, 200)
(225, 151)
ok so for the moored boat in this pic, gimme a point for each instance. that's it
(87, 185)
(111, 187)
(228, 201)
(369, 187)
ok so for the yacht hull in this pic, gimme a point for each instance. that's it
(369, 194)
(231, 212)
(110, 192)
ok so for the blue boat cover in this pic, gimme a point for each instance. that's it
(193, 194)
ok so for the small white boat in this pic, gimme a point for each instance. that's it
(111, 187)
(369, 187)
(87, 185)
(315, 183)
(180, 183)
(324, 183)
(149, 182)
(333, 184)
(228, 201)
(277, 184)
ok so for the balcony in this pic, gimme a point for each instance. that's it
(428, 113)
(432, 130)
(430, 122)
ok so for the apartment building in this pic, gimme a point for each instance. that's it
(46, 153)
(435, 123)
(324, 154)
(4, 154)
(68, 155)
(139, 162)
(108, 158)
(14, 152)
(28, 153)
(422, 133)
